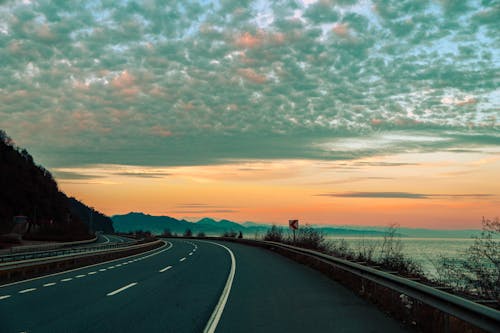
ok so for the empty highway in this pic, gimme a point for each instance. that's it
(189, 286)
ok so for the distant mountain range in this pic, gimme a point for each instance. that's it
(158, 224)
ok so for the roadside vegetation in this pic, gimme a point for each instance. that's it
(478, 270)
(476, 274)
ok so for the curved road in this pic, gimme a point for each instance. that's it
(184, 287)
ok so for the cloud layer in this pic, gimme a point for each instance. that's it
(199, 82)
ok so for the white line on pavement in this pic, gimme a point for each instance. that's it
(49, 284)
(219, 308)
(67, 279)
(107, 239)
(80, 276)
(182, 259)
(92, 273)
(103, 270)
(165, 269)
(4, 297)
(121, 289)
(27, 290)
(153, 252)
(190, 253)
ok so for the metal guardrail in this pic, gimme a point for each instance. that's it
(51, 246)
(19, 257)
(483, 317)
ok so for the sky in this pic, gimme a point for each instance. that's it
(339, 112)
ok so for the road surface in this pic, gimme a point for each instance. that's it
(189, 286)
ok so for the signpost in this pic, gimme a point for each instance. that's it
(294, 225)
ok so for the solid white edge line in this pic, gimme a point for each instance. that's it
(219, 308)
(165, 269)
(100, 263)
(121, 289)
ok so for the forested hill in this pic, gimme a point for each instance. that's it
(29, 189)
(93, 218)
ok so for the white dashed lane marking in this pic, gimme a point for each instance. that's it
(49, 284)
(66, 280)
(4, 297)
(182, 259)
(165, 269)
(121, 289)
(27, 290)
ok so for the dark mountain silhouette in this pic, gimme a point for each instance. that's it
(95, 220)
(158, 224)
(30, 190)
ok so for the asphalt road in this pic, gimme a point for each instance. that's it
(189, 286)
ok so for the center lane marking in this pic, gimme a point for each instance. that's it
(27, 290)
(121, 289)
(49, 284)
(165, 269)
(4, 297)
(182, 259)
(165, 247)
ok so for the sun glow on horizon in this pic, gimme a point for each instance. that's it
(434, 190)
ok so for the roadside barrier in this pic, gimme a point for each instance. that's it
(25, 269)
(58, 250)
(421, 306)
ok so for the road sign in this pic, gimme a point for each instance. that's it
(293, 224)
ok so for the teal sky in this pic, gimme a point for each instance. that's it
(192, 83)
(143, 82)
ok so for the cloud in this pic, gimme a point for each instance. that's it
(143, 174)
(68, 175)
(404, 195)
(201, 208)
(203, 211)
(245, 79)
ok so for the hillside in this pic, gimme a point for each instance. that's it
(30, 190)
(95, 220)
(158, 224)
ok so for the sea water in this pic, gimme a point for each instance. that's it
(424, 251)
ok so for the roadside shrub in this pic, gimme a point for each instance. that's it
(274, 234)
(392, 257)
(230, 234)
(309, 238)
(478, 271)
(166, 233)
(340, 248)
(388, 253)
(366, 251)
